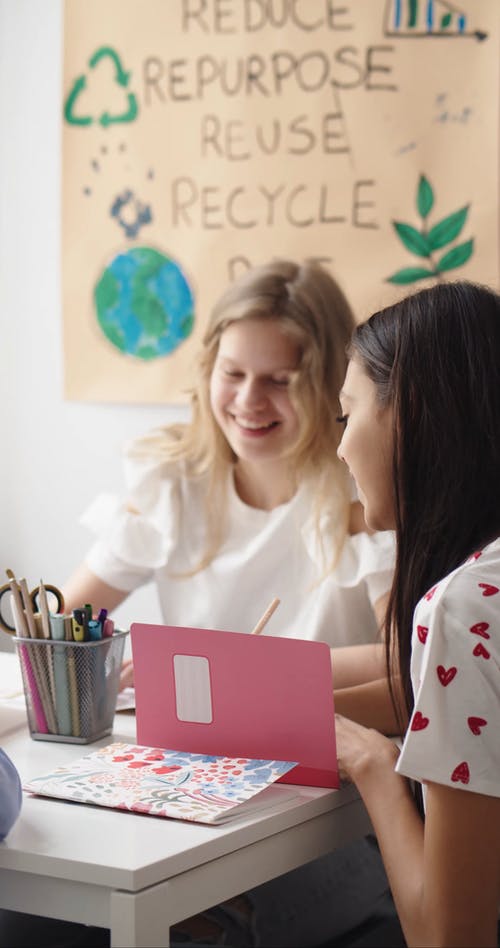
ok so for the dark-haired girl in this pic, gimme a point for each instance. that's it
(421, 409)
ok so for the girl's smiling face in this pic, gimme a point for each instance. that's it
(249, 389)
(367, 446)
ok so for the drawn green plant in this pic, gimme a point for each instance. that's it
(424, 242)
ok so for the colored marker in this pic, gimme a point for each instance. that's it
(68, 628)
(57, 627)
(94, 629)
(78, 625)
(63, 699)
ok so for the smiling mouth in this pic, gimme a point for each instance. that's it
(254, 426)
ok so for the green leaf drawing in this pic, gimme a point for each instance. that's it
(445, 21)
(425, 197)
(413, 240)
(410, 275)
(424, 241)
(447, 229)
(456, 257)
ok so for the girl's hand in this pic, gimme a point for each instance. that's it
(126, 675)
(361, 749)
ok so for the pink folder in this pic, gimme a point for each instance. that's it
(228, 693)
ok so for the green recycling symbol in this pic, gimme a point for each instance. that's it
(121, 77)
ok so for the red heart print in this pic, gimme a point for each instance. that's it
(139, 763)
(480, 651)
(154, 756)
(422, 631)
(461, 773)
(480, 629)
(430, 593)
(419, 722)
(488, 590)
(123, 757)
(446, 675)
(475, 556)
(165, 770)
(476, 724)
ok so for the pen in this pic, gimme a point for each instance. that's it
(44, 610)
(28, 609)
(57, 630)
(108, 628)
(68, 628)
(37, 660)
(78, 626)
(33, 689)
(81, 616)
(265, 617)
(30, 669)
(45, 655)
(17, 610)
(73, 693)
(94, 629)
(61, 680)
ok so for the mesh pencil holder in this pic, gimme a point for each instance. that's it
(71, 688)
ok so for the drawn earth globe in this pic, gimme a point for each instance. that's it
(144, 303)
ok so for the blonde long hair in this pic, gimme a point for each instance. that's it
(309, 306)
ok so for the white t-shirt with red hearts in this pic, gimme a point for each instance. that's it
(454, 733)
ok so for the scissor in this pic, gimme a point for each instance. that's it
(33, 596)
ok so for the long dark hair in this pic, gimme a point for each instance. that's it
(435, 358)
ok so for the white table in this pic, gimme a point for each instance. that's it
(138, 875)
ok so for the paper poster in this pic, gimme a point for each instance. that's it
(201, 137)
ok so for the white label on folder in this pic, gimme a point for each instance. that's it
(193, 695)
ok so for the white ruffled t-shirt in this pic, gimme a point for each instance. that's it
(266, 554)
(454, 733)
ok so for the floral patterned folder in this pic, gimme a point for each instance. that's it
(168, 783)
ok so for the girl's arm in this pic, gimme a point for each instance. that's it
(444, 876)
(360, 682)
(357, 664)
(461, 867)
(369, 704)
(84, 586)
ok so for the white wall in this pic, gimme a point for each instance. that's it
(55, 455)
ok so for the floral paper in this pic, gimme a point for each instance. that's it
(160, 782)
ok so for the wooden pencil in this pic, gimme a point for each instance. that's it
(265, 617)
